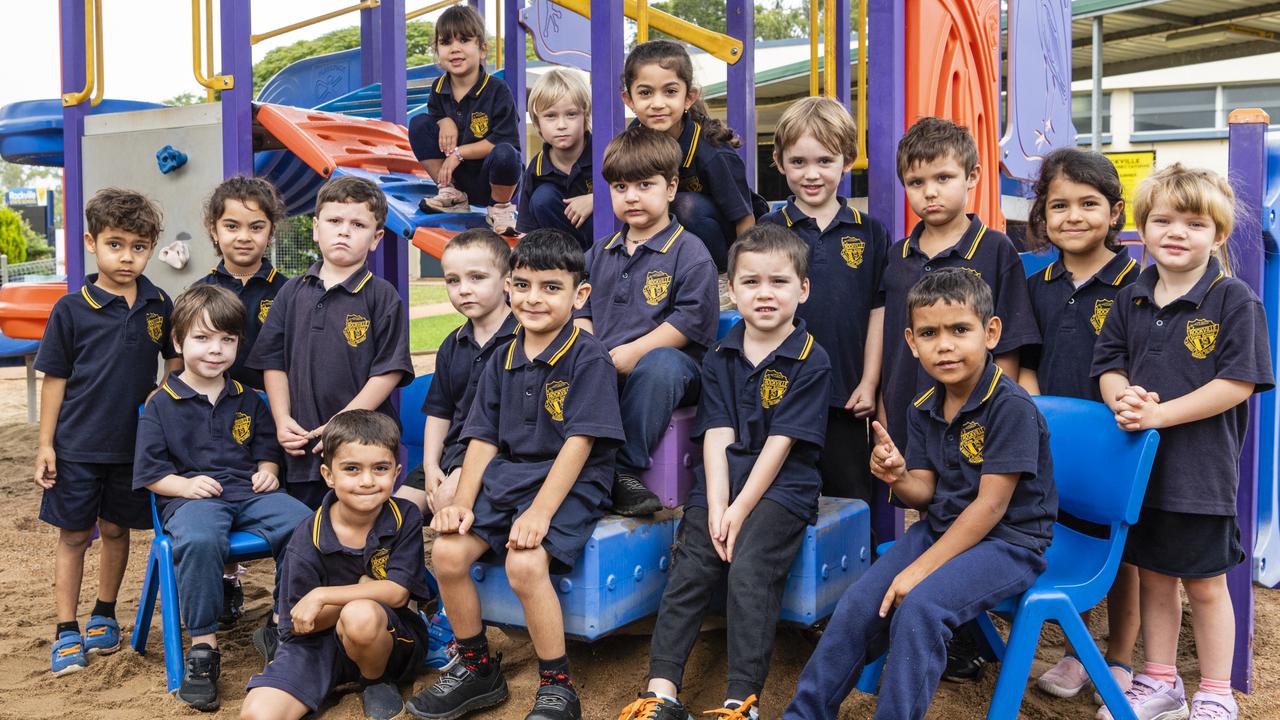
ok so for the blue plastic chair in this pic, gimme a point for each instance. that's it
(1101, 473)
(413, 421)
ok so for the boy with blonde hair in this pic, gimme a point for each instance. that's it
(556, 190)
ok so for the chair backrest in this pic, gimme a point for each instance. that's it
(413, 421)
(1100, 470)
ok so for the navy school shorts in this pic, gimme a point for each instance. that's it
(85, 492)
(1184, 545)
(571, 528)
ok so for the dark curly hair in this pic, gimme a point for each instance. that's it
(1082, 166)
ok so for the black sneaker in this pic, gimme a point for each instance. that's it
(964, 659)
(460, 691)
(632, 498)
(555, 702)
(382, 701)
(199, 687)
(266, 639)
(232, 602)
(651, 707)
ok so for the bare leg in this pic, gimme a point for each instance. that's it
(362, 628)
(451, 559)
(1214, 625)
(1123, 617)
(266, 703)
(433, 167)
(501, 194)
(1161, 609)
(115, 558)
(529, 572)
(68, 571)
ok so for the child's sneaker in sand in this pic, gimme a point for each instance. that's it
(1153, 699)
(101, 635)
(448, 199)
(1207, 706)
(651, 707)
(68, 653)
(734, 710)
(1064, 680)
(1123, 676)
(502, 218)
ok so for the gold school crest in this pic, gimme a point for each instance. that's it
(1100, 309)
(851, 250)
(155, 326)
(691, 183)
(972, 436)
(1202, 337)
(264, 307)
(241, 428)
(772, 387)
(479, 124)
(656, 285)
(378, 564)
(556, 392)
(356, 330)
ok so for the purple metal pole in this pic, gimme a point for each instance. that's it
(606, 99)
(740, 96)
(71, 29)
(843, 35)
(237, 103)
(885, 121)
(369, 69)
(514, 60)
(1246, 160)
(390, 51)
(477, 5)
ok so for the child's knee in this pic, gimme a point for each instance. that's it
(1202, 591)
(111, 532)
(528, 570)
(77, 540)
(449, 558)
(506, 158)
(361, 622)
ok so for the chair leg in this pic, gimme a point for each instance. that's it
(146, 605)
(1096, 666)
(869, 680)
(171, 620)
(1016, 666)
(995, 643)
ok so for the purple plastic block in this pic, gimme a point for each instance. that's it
(559, 34)
(670, 477)
(1039, 85)
(836, 551)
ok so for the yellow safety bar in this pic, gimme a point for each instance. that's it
(719, 45)
(642, 21)
(861, 162)
(255, 39)
(813, 48)
(213, 82)
(209, 94)
(497, 35)
(430, 8)
(92, 57)
(829, 46)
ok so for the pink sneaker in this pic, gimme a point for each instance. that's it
(447, 199)
(1152, 699)
(1207, 706)
(1124, 678)
(502, 218)
(1065, 679)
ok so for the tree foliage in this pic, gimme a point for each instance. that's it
(13, 242)
(773, 22)
(183, 100)
(418, 49)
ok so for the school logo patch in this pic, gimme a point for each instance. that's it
(972, 436)
(155, 326)
(378, 564)
(589, 183)
(1202, 337)
(656, 285)
(264, 307)
(691, 184)
(479, 124)
(851, 250)
(241, 428)
(356, 330)
(556, 391)
(772, 387)
(1101, 307)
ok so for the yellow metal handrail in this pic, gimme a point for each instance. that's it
(98, 84)
(255, 39)
(497, 35)
(829, 46)
(214, 82)
(430, 8)
(861, 122)
(718, 45)
(813, 48)
(642, 21)
(92, 60)
(209, 94)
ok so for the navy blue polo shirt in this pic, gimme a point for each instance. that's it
(542, 170)
(108, 352)
(257, 293)
(987, 252)
(459, 363)
(1070, 319)
(180, 433)
(1217, 330)
(315, 557)
(330, 342)
(717, 171)
(668, 278)
(783, 395)
(958, 454)
(528, 408)
(486, 112)
(846, 263)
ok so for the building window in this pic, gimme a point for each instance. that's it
(1082, 112)
(1191, 109)
(1266, 97)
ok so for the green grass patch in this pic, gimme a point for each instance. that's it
(427, 333)
(423, 294)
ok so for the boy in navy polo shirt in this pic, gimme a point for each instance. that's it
(978, 469)
(815, 144)
(347, 575)
(468, 139)
(556, 189)
(336, 338)
(543, 431)
(207, 449)
(761, 417)
(99, 359)
(654, 303)
(475, 264)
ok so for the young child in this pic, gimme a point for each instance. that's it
(336, 338)
(715, 202)
(1184, 348)
(475, 263)
(556, 189)
(815, 144)
(758, 484)
(1079, 208)
(206, 489)
(987, 510)
(241, 216)
(653, 304)
(542, 430)
(346, 577)
(468, 140)
(99, 359)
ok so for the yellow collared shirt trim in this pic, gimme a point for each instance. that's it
(693, 145)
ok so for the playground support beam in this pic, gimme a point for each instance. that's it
(514, 61)
(72, 53)
(1095, 98)
(842, 96)
(237, 103)
(607, 43)
(740, 90)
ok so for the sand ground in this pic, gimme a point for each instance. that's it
(609, 672)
